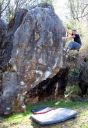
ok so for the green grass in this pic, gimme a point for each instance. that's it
(22, 119)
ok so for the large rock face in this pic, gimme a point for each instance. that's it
(37, 54)
(3, 29)
(83, 77)
(37, 49)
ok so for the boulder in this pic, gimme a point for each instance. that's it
(51, 87)
(83, 77)
(38, 47)
(3, 30)
(37, 54)
(7, 37)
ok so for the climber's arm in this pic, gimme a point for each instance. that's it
(67, 37)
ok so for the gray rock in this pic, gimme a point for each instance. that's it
(9, 92)
(37, 54)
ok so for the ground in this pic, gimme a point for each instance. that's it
(22, 120)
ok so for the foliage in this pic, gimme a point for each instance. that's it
(74, 74)
(79, 19)
(74, 24)
(72, 90)
(48, 1)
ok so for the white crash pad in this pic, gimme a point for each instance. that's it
(54, 116)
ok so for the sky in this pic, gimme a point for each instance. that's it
(61, 9)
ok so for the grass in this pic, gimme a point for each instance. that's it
(21, 120)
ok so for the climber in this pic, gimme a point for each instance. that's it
(75, 44)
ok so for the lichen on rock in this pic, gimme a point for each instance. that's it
(37, 52)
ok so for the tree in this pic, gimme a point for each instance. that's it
(9, 7)
(47, 1)
(3, 6)
(78, 9)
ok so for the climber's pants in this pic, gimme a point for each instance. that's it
(73, 46)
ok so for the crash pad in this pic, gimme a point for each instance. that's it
(54, 116)
(42, 110)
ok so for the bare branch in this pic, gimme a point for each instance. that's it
(84, 9)
(78, 10)
(83, 15)
(5, 7)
